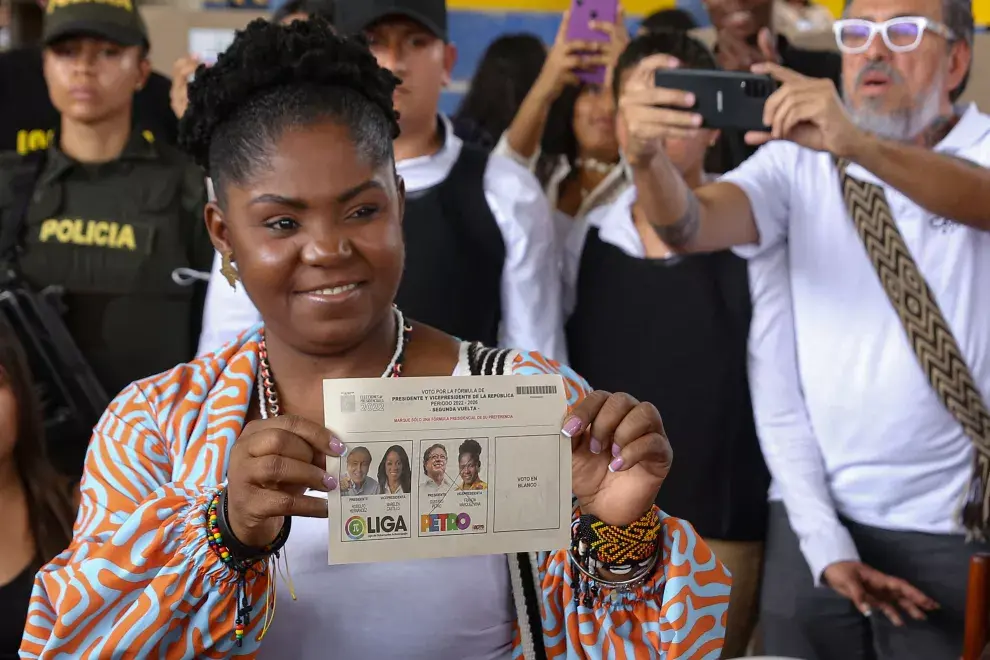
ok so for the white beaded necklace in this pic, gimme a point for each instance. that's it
(393, 369)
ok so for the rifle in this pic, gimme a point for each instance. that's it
(71, 398)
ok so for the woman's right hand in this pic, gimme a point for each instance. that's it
(272, 464)
(564, 59)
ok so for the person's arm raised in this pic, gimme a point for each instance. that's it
(944, 185)
(714, 217)
(809, 112)
(521, 140)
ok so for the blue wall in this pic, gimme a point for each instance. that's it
(472, 31)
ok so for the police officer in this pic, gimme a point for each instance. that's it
(28, 119)
(114, 217)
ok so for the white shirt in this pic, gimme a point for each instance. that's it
(886, 452)
(787, 438)
(530, 278)
(391, 609)
(605, 193)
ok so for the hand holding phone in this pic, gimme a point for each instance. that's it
(723, 99)
(583, 14)
(565, 58)
(648, 114)
(809, 112)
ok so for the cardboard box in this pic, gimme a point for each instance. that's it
(169, 27)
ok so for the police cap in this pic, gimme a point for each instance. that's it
(117, 21)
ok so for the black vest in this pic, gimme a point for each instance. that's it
(454, 254)
(674, 332)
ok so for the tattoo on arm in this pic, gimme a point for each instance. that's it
(685, 230)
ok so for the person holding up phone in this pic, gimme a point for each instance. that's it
(871, 468)
(673, 330)
(565, 129)
(184, 67)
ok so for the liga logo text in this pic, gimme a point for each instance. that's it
(357, 527)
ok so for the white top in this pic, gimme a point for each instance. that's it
(530, 278)
(606, 192)
(886, 452)
(389, 610)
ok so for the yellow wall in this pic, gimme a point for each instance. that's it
(835, 6)
(981, 8)
(981, 12)
(639, 7)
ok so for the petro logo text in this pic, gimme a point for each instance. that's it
(432, 523)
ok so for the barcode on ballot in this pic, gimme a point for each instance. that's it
(536, 389)
(348, 404)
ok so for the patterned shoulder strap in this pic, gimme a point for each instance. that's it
(484, 361)
(928, 332)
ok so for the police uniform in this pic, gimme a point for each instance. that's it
(122, 238)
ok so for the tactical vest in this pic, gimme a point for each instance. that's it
(454, 254)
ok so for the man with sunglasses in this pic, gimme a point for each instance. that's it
(868, 228)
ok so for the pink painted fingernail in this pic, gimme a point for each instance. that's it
(337, 447)
(616, 450)
(616, 465)
(330, 481)
(596, 447)
(572, 427)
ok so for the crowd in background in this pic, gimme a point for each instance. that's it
(829, 427)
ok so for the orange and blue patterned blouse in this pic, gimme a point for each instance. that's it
(139, 579)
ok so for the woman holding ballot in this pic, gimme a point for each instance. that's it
(194, 477)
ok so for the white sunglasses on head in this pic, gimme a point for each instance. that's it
(901, 35)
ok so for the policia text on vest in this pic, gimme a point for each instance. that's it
(97, 233)
(32, 140)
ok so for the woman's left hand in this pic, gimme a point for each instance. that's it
(620, 456)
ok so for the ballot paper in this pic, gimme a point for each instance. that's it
(447, 466)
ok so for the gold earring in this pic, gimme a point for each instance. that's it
(227, 269)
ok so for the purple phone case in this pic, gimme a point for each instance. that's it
(582, 12)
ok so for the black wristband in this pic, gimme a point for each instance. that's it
(240, 551)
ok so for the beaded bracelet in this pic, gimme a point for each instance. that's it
(244, 561)
(632, 550)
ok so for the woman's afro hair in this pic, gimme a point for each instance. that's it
(284, 69)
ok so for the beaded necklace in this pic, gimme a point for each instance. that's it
(594, 165)
(268, 394)
(217, 509)
(268, 403)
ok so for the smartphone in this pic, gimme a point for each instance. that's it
(724, 99)
(583, 12)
